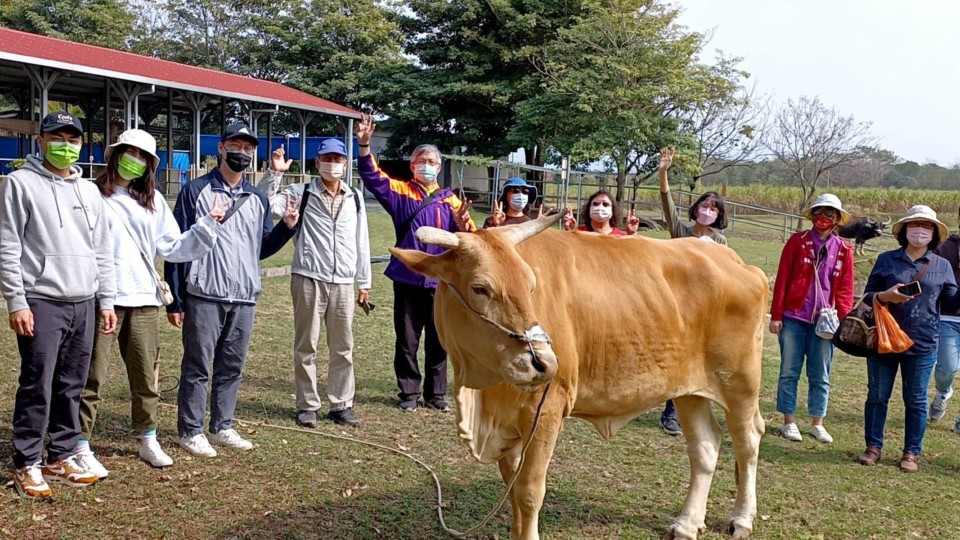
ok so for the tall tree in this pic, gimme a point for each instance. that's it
(619, 84)
(106, 23)
(811, 140)
(472, 69)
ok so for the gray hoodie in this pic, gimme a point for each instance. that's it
(54, 239)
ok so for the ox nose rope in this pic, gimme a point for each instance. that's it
(436, 479)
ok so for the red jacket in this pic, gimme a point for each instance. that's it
(796, 271)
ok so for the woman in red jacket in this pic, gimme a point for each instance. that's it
(816, 271)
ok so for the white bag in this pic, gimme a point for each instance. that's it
(827, 323)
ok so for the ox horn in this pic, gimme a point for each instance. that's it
(438, 237)
(887, 222)
(519, 233)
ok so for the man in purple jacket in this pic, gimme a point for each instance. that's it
(413, 205)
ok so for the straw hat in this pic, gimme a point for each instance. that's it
(921, 212)
(828, 200)
(137, 138)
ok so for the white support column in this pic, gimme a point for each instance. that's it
(304, 118)
(44, 79)
(348, 142)
(196, 102)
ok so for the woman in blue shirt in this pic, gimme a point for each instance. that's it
(918, 316)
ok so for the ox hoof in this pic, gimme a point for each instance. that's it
(678, 532)
(738, 530)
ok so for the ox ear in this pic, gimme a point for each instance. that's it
(519, 233)
(437, 237)
(432, 266)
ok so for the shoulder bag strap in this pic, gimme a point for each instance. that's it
(404, 229)
(143, 255)
(923, 271)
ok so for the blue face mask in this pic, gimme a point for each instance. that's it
(518, 201)
(426, 174)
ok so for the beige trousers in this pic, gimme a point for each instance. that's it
(317, 304)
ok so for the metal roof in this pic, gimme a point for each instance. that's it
(26, 48)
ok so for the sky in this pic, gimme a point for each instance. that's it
(893, 63)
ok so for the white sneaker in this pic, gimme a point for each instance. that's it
(820, 433)
(231, 439)
(89, 463)
(152, 453)
(791, 432)
(198, 446)
(939, 406)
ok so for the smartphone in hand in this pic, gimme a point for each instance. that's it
(910, 289)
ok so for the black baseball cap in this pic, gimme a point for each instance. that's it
(239, 131)
(61, 120)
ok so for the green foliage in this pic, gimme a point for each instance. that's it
(473, 68)
(618, 85)
(106, 23)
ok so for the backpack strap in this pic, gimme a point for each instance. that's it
(357, 198)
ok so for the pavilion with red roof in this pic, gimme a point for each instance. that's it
(35, 70)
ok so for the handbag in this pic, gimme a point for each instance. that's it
(827, 321)
(163, 288)
(857, 333)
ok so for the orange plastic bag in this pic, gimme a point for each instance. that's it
(890, 338)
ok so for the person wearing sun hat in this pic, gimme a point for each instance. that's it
(918, 315)
(514, 204)
(142, 227)
(815, 272)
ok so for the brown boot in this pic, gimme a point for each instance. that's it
(870, 456)
(908, 463)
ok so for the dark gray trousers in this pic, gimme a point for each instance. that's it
(217, 333)
(53, 371)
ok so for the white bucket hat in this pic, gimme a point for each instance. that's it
(830, 201)
(137, 138)
(921, 212)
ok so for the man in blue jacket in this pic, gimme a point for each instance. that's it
(215, 296)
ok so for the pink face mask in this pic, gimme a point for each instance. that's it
(919, 237)
(706, 216)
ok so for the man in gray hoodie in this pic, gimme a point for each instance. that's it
(56, 268)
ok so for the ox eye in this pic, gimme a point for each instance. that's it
(480, 291)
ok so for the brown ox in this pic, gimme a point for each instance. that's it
(699, 340)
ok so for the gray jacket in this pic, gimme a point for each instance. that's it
(230, 272)
(55, 241)
(329, 248)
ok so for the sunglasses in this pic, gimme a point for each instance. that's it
(367, 307)
(513, 190)
(824, 212)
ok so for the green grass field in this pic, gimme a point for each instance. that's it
(296, 486)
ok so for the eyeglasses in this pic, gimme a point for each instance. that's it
(829, 212)
(433, 162)
(245, 148)
(513, 190)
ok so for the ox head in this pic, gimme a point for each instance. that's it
(875, 228)
(484, 306)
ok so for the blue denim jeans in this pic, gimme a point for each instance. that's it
(948, 355)
(799, 341)
(881, 374)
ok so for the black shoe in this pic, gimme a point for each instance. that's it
(344, 417)
(437, 403)
(307, 419)
(670, 425)
(408, 405)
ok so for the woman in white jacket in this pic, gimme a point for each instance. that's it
(142, 228)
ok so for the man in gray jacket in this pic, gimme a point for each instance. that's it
(216, 295)
(332, 253)
(56, 267)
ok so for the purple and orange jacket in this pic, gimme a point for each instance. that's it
(401, 199)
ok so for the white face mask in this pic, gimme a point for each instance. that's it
(426, 174)
(601, 213)
(332, 171)
(518, 201)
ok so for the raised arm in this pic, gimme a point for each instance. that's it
(666, 201)
(272, 179)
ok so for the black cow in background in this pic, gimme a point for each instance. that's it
(861, 229)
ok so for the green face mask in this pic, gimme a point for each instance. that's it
(131, 168)
(62, 154)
